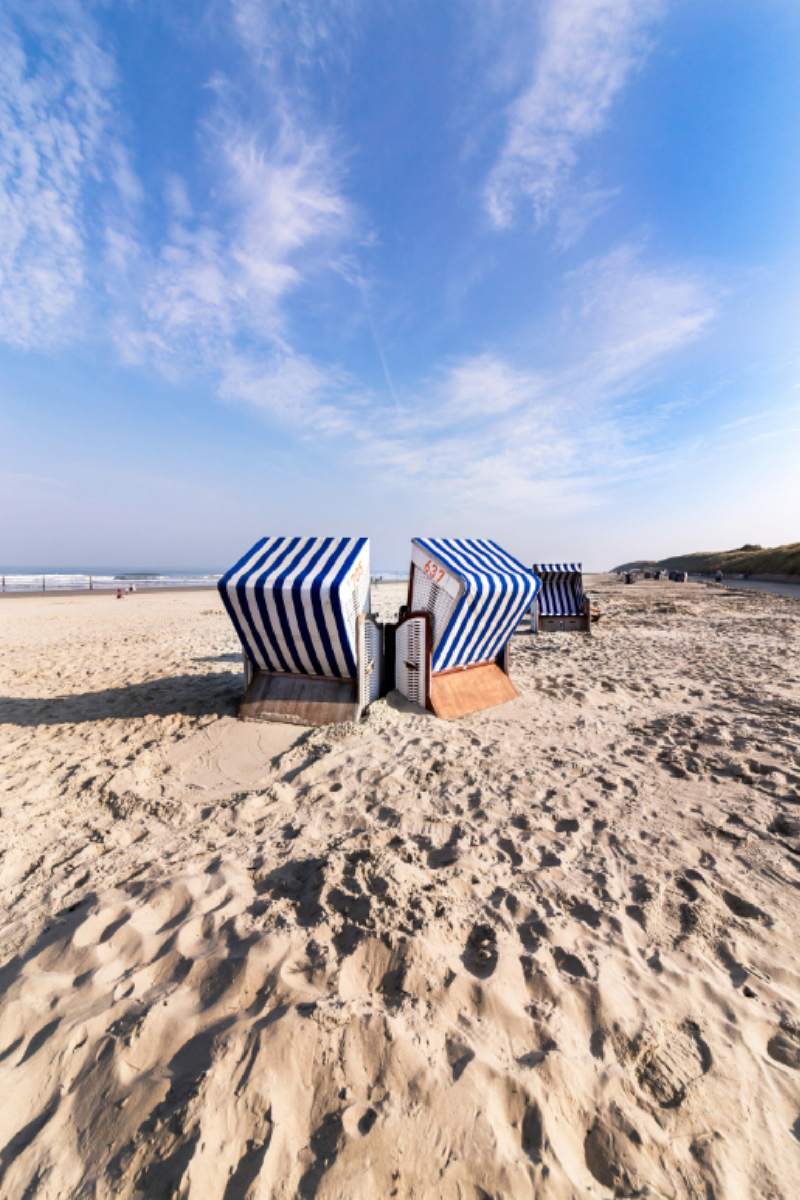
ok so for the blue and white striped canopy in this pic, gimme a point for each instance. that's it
(562, 589)
(295, 603)
(493, 592)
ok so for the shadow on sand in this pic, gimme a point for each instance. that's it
(190, 695)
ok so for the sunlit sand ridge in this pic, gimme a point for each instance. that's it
(548, 950)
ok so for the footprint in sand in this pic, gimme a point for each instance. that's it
(586, 913)
(689, 890)
(743, 908)
(570, 964)
(480, 953)
(612, 1149)
(533, 1133)
(668, 1070)
(784, 1047)
(531, 933)
(597, 1044)
(786, 826)
(459, 1056)
(324, 1144)
(367, 1121)
(508, 847)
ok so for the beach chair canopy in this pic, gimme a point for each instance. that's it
(295, 603)
(476, 595)
(562, 589)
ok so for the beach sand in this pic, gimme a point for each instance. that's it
(548, 950)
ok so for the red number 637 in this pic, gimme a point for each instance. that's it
(432, 570)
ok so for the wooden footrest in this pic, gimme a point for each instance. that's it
(297, 700)
(458, 693)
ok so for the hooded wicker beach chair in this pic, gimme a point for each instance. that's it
(465, 599)
(561, 606)
(312, 652)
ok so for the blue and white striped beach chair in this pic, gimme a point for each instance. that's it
(300, 606)
(465, 599)
(561, 606)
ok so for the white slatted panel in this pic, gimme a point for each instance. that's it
(411, 656)
(370, 662)
(428, 597)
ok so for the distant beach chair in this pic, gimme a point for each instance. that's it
(561, 606)
(313, 653)
(465, 599)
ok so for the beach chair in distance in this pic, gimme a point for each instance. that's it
(465, 599)
(561, 606)
(313, 653)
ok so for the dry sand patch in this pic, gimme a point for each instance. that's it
(548, 950)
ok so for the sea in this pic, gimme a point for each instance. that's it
(60, 579)
(18, 579)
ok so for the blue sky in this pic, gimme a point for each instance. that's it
(498, 269)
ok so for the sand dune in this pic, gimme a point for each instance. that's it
(550, 950)
(777, 562)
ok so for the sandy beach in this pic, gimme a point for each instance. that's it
(550, 950)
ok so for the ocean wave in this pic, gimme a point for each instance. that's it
(78, 581)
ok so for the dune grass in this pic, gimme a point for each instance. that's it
(754, 560)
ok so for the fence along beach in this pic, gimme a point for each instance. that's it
(34, 582)
(79, 581)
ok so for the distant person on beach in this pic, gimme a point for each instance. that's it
(119, 593)
(718, 577)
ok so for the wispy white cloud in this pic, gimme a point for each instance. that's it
(588, 49)
(210, 294)
(212, 297)
(633, 315)
(486, 387)
(503, 434)
(55, 146)
(290, 388)
(490, 432)
(286, 33)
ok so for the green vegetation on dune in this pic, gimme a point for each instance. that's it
(754, 560)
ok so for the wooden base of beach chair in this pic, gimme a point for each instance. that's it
(457, 693)
(563, 625)
(300, 699)
(447, 694)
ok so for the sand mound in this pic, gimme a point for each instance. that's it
(549, 950)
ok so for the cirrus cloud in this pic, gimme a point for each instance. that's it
(589, 48)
